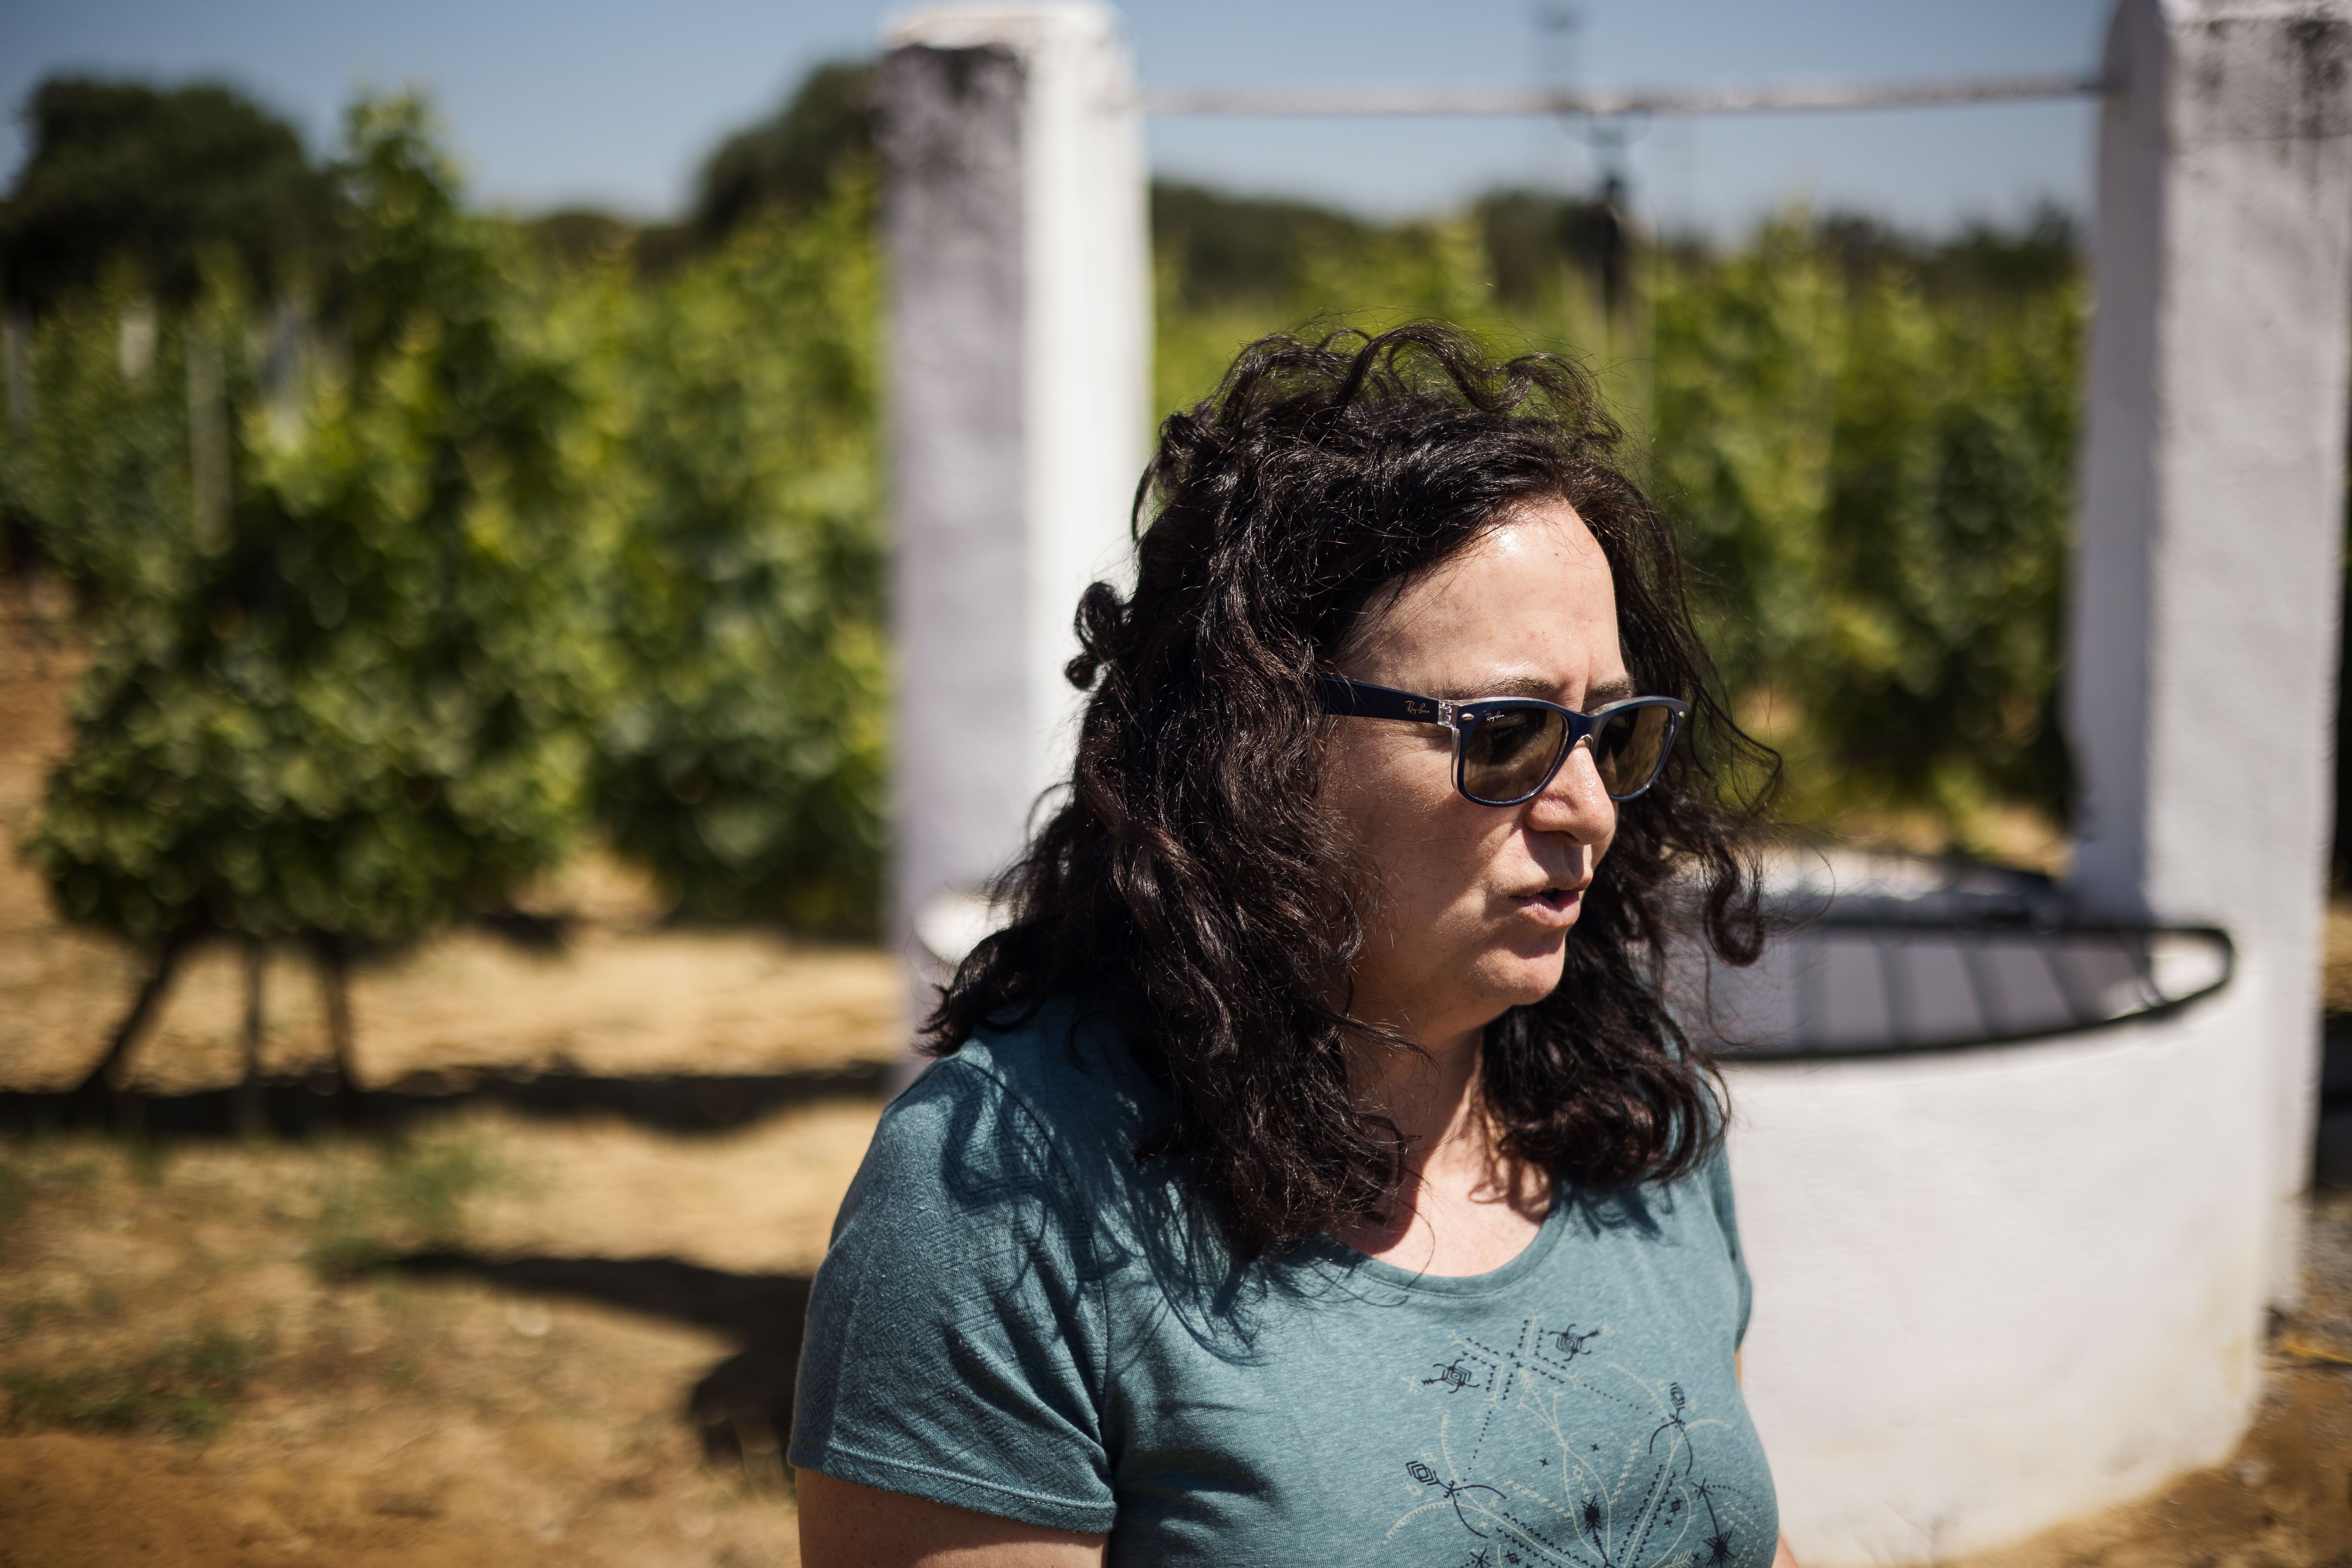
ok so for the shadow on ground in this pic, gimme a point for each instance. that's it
(674, 1102)
(2332, 1156)
(742, 1408)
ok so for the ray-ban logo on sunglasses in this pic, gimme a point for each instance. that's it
(1421, 709)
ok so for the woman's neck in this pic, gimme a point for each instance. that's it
(1433, 1093)
(1466, 1205)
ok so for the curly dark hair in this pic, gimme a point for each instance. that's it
(1191, 881)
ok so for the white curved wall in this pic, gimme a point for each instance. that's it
(1999, 1288)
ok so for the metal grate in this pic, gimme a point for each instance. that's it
(1888, 956)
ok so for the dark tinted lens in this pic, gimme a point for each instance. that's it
(1628, 747)
(1506, 754)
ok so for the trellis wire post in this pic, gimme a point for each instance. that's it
(1020, 336)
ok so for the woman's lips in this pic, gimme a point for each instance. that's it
(1554, 908)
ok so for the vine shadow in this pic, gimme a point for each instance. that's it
(291, 1106)
(742, 1407)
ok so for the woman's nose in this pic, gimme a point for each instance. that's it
(1575, 802)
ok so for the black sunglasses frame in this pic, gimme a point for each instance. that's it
(1347, 698)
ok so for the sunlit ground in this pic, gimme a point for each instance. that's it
(202, 1368)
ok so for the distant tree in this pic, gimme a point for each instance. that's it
(359, 703)
(744, 762)
(1946, 539)
(1529, 235)
(784, 167)
(1228, 268)
(1872, 442)
(1982, 262)
(582, 237)
(793, 161)
(121, 173)
(1743, 407)
(1221, 249)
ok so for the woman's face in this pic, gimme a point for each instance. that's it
(1471, 904)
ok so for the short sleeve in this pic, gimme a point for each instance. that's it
(954, 1346)
(1727, 1214)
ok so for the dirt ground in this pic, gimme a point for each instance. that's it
(203, 1369)
(608, 999)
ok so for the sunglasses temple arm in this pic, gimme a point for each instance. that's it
(1357, 699)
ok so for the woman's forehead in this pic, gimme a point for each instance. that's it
(1529, 603)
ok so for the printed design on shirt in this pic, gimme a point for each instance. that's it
(1519, 1476)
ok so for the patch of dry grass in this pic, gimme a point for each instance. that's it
(170, 1345)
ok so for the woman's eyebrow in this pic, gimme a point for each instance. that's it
(1536, 686)
(1523, 685)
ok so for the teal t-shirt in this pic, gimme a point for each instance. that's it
(1016, 1318)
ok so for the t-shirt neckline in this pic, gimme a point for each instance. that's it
(1337, 1255)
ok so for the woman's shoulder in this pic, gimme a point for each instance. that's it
(1027, 1106)
(953, 1349)
(1067, 1056)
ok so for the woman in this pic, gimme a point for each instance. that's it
(1312, 1172)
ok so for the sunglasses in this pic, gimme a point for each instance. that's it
(1505, 748)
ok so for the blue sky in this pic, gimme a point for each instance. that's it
(599, 103)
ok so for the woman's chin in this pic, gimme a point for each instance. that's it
(1523, 978)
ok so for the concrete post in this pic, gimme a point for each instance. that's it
(1020, 328)
(2201, 670)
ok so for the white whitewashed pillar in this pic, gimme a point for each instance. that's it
(1019, 368)
(2202, 664)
